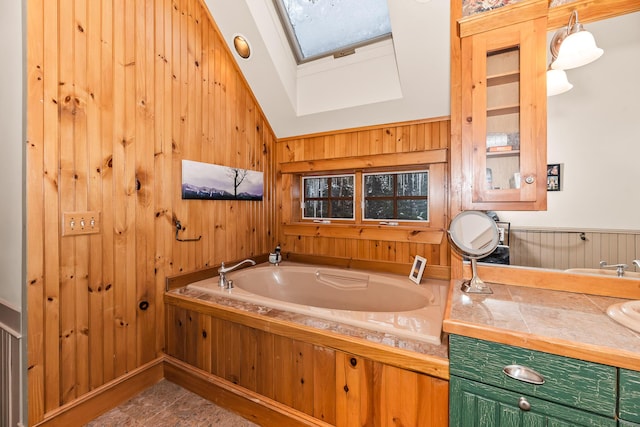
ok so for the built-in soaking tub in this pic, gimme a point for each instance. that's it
(376, 301)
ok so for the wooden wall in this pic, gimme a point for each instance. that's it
(119, 92)
(358, 147)
(334, 386)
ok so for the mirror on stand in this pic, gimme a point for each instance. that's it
(474, 235)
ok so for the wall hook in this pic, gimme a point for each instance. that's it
(178, 228)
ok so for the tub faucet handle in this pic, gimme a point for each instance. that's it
(222, 272)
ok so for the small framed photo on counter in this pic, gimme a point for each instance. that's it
(553, 177)
(419, 263)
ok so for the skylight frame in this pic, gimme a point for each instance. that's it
(342, 51)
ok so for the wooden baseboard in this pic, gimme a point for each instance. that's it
(250, 405)
(105, 397)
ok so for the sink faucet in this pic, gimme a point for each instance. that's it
(620, 268)
(222, 272)
(636, 262)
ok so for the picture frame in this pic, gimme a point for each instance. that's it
(207, 181)
(419, 263)
(553, 177)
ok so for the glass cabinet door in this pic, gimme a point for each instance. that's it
(504, 118)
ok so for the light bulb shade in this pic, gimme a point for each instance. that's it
(576, 50)
(557, 82)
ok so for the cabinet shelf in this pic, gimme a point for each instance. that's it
(504, 78)
(503, 109)
(503, 153)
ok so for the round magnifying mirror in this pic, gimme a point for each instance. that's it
(475, 235)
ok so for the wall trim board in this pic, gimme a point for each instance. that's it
(10, 320)
(106, 397)
(364, 128)
(250, 405)
(366, 232)
(389, 160)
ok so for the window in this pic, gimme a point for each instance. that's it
(318, 28)
(386, 196)
(396, 196)
(328, 197)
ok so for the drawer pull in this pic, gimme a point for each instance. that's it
(524, 374)
(524, 404)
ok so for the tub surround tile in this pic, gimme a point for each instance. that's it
(575, 321)
(321, 324)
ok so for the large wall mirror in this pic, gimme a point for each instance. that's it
(594, 135)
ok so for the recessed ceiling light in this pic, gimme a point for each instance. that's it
(241, 45)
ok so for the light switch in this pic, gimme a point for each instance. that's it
(75, 223)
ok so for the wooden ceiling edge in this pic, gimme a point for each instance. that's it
(364, 128)
(590, 11)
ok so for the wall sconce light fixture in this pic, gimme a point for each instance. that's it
(557, 82)
(571, 46)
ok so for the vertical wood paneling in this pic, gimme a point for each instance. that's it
(107, 136)
(51, 250)
(374, 394)
(34, 221)
(119, 93)
(396, 138)
(95, 356)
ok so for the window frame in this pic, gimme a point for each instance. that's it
(339, 52)
(303, 198)
(395, 198)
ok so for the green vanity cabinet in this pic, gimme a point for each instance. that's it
(537, 388)
(476, 404)
(629, 403)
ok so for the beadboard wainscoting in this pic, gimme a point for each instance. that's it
(10, 366)
(563, 249)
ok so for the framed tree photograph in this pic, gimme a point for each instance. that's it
(207, 181)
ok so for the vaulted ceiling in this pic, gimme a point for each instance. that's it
(406, 78)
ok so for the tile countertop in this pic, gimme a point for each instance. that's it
(565, 323)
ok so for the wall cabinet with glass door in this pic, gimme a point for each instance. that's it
(504, 116)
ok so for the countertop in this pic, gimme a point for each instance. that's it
(564, 323)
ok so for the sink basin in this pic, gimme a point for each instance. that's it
(604, 272)
(626, 313)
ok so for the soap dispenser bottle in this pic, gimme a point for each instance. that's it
(275, 257)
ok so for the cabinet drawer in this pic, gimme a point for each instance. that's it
(630, 395)
(571, 382)
(472, 402)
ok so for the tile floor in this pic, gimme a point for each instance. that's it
(167, 404)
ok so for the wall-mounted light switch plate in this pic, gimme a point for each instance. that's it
(75, 223)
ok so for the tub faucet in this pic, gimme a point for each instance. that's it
(620, 268)
(636, 262)
(222, 273)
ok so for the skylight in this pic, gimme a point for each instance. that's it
(318, 28)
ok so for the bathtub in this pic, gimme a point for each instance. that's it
(376, 301)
